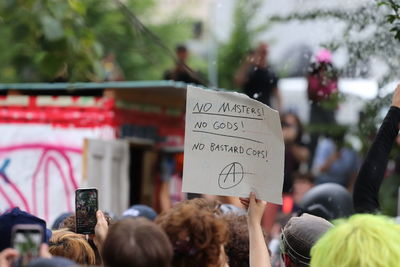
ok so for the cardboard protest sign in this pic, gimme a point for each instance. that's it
(233, 145)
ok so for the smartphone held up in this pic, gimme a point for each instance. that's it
(86, 206)
(26, 239)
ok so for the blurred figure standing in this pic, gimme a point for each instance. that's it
(322, 91)
(257, 79)
(296, 152)
(334, 162)
(181, 72)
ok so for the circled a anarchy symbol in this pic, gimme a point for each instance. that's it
(231, 175)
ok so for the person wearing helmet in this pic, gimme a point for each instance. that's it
(329, 201)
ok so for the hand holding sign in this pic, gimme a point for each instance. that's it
(233, 145)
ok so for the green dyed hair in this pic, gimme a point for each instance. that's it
(362, 240)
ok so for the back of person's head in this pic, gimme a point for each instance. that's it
(213, 206)
(16, 216)
(69, 222)
(362, 240)
(298, 237)
(237, 248)
(60, 219)
(136, 242)
(72, 246)
(197, 235)
(329, 201)
(140, 210)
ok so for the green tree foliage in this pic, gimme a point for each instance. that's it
(39, 38)
(43, 38)
(241, 40)
(393, 18)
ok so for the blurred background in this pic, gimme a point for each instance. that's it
(92, 92)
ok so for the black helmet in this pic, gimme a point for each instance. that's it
(329, 201)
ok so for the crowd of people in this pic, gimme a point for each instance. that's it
(330, 215)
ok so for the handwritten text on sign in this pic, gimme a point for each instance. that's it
(233, 145)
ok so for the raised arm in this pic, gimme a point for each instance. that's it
(259, 255)
(372, 171)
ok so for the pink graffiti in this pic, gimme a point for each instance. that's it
(40, 146)
(44, 162)
(16, 190)
(64, 180)
(9, 201)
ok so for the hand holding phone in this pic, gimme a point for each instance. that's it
(86, 206)
(8, 256)
(26, 239)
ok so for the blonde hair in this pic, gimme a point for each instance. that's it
(72, 246)
(362, 240)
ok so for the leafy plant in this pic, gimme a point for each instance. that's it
(393, 18)
(42, 40)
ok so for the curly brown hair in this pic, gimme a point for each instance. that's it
(237, 249)
(212, 206)
(197, 235)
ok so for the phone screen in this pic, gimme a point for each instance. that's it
(27, 243)
(86, 208)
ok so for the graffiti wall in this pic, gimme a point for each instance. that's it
(41, 146)
(41, 162)
(40, 167)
